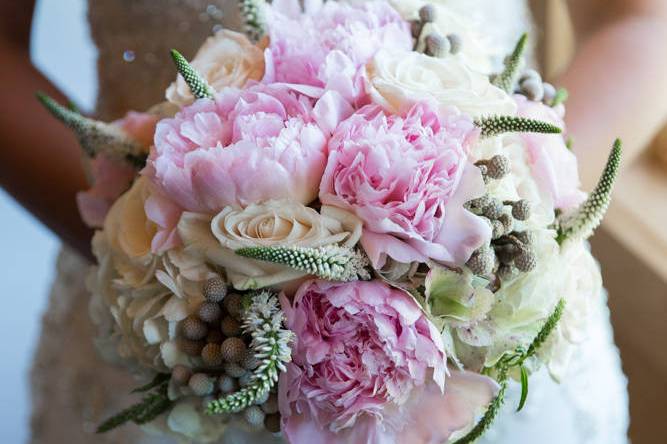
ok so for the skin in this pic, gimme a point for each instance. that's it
(617, 81)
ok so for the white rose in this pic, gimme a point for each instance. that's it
(397, 80)
(277, 222)
(582, 292)
(226, 59)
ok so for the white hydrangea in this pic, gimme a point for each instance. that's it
(137, 323)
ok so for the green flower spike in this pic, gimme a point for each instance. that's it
(153, 405)
(589, 215)
(561, 97)
(198, 85)
(493, 126)
(491, 412)
(504, 365)
(263, 320)
(94, 136)
(330, 262)
(508, 78)
(253, 22)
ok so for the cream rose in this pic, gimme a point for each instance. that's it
(276, 222)
(226, 59)
(397, 80)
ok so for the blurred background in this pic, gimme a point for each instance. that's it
(61, 47)
(631, 246)
(632, 249)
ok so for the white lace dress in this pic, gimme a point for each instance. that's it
(73, 389)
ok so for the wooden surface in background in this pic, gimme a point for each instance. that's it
(632, 250)
(638, 303)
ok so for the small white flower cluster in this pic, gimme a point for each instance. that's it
(263, 320)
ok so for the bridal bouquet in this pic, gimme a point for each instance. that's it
(341, 227)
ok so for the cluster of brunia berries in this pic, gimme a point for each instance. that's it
(429, 41)
(535, 89)
(224, 361)
(509, 250)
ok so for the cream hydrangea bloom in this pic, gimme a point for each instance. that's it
(398, 79)
(226, 59)
(477, 50)
(275, 222)
(138, 298)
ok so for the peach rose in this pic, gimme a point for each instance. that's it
(226, 59)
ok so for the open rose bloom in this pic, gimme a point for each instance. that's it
(337, 232)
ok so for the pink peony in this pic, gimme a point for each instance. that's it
(407, 178)
(329, 44)
(368, 367)
(112, 177)
(554, 167)
(245, 146)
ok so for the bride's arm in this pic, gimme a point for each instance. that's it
(618, 80)
(40, 163)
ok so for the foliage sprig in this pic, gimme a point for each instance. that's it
(152, 406)
(589, 215)
(330, 262)
(508, 78)
(503, 367)
(96, 137)
(198, 85)
(493, 126)
(263, 320)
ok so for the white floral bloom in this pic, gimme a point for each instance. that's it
(226, 59)
(139, 298)
(398, 79)
(139, 323)
(582, 291)
(520, 183)
(525, 302)
(282, 222)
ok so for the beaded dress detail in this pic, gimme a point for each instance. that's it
(74, 388)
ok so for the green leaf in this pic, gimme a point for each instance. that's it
(198, 85)
(158, 380)
(490, 415)
(153, 405)
(524, 388)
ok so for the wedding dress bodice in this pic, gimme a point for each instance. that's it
(73, 389)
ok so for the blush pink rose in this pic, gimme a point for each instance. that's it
(245, 146)
(408, 177)
(112, 177)
(368, 367)
(553, 166)
(329, 43)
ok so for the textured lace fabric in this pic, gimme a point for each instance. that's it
(74, 389)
